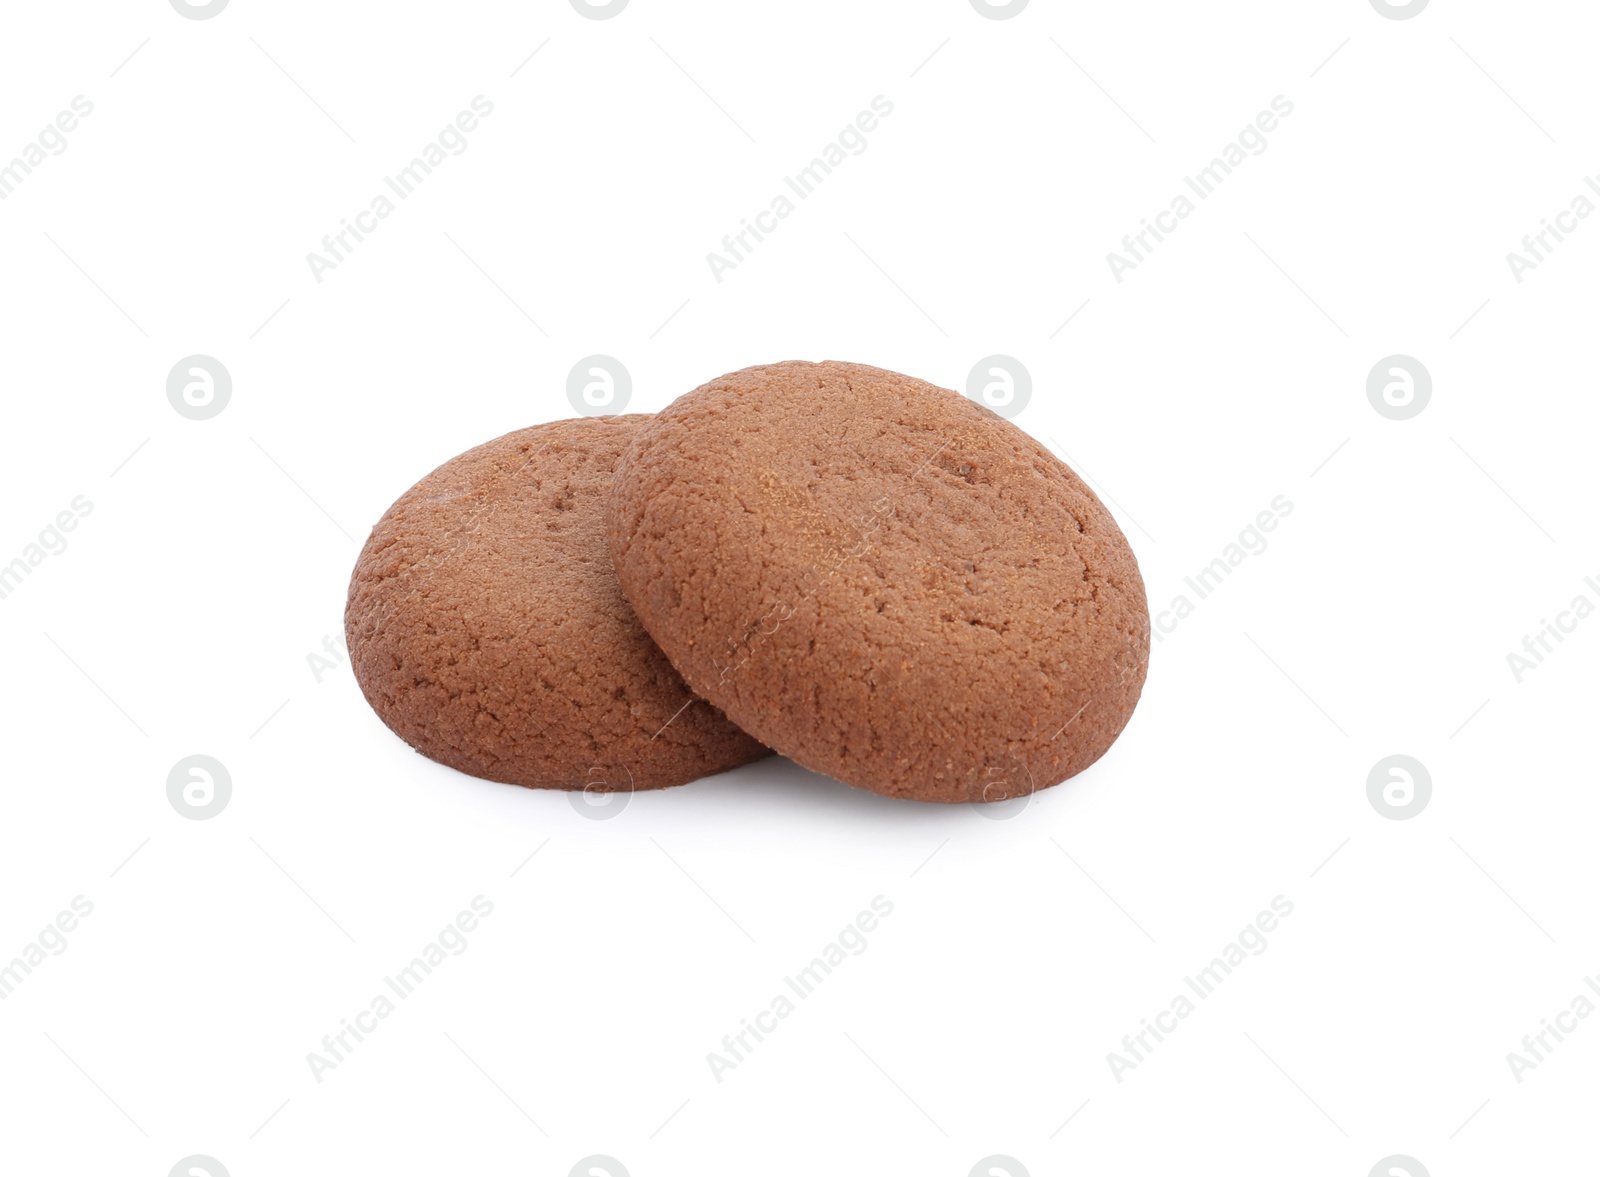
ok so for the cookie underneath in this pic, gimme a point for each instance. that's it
(487, 629)
(882, 580)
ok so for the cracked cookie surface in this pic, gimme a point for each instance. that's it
(882, 580)
(488, 631)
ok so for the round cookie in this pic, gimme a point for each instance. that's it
(882, 580)
(487, 629)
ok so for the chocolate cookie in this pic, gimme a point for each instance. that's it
(882, 580)
(487, 629)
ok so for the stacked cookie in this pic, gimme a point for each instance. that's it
(871, 575)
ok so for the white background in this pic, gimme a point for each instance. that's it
(1227, 369)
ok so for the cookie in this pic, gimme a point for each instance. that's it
(882, 580)
(487, 629)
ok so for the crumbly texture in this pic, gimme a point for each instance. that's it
(882, 580)
(487, 629)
